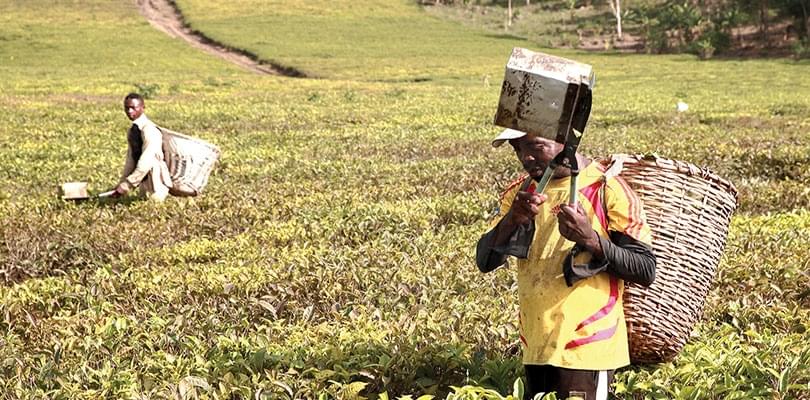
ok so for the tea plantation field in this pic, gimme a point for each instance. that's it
(332, 253)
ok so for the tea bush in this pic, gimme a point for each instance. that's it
(331, 254)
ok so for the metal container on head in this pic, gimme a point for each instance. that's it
(541, 94)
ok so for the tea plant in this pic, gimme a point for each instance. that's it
(331, 254)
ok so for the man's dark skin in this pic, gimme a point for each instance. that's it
(134, 109)
(536, 153)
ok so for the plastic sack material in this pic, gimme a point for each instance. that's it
(190, 161)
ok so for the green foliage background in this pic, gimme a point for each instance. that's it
(332, 252)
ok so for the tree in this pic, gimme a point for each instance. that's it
(763, 17)
(800, 11)
(509, 14)
(616, 7)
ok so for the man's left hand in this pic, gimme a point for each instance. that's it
(576, 227)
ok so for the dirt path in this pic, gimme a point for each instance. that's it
(164, 15)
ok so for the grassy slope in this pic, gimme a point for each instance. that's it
(345, 206)
(370, 40)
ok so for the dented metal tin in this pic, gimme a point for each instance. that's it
(540, 93)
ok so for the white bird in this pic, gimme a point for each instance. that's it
(681, 106)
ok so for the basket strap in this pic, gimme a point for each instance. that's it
(568, 262)
(603, 202)
(614, 170)
(616, 167)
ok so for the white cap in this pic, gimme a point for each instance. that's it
(507, 134)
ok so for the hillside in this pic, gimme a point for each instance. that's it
(332, 250)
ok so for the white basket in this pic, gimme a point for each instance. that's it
(190, 161)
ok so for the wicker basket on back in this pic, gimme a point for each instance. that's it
(190, 162)
(688, 209)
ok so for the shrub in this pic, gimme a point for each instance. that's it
(709, 43)
(147, 90)
(801, 49)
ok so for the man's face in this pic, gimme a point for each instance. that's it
(535, 153)
(133, 108)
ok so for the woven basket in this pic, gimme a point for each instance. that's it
(688, 210)
(190, 162)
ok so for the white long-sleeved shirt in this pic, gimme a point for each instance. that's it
(151, 158)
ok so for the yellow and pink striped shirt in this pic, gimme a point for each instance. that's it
(583, 326)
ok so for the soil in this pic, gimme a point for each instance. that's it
(165, 16)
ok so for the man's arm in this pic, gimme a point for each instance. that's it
(486, 258)
(623, 254)
(629, 259)
(513, 233)
(129, 165)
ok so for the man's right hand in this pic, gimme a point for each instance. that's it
(119, 191)
(525, 207)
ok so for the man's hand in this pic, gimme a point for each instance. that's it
(576, 227)
(526, 206)
(121, 190)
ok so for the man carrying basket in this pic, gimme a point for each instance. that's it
(162, 161)
(145, 165)
(576, 234)
(572, 324)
